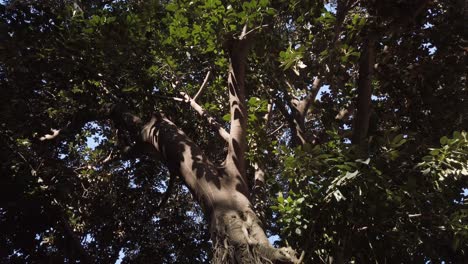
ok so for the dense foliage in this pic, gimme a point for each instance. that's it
(390, 191)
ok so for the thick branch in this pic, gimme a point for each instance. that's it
(298, 111)
(183, 158)
(302, 108)
(366, 66)
(120, 115)
(307, 102)
(235, 160)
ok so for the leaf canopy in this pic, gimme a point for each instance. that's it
(400, 197)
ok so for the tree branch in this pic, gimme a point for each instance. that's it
(235, 159)
(298, 112)
(366, 66)
(267, 116)
(202, 112)
(182, 157)
(305, 104)
(255, 29)
(276, 130)
(211, 120)
(202, 87)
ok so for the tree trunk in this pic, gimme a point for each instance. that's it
(237, 233)
(366, 66)
(221, 190)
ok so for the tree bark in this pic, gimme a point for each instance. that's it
(366, 66)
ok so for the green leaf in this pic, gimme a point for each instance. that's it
(280, 198)
(227, 117)
(403, 141)
(443, 140)
(397, 139)
(253, 101)
(172, 6)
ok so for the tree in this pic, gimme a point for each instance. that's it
(110, 108)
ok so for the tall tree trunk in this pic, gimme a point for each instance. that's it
(366, 69)
(222, 190)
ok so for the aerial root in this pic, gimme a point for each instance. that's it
(234, 253)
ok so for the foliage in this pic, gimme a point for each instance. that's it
(398, 197)
(362, 208)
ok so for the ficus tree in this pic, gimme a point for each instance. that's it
(191, 131)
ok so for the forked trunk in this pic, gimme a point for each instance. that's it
(236, 231)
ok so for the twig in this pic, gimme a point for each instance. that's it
(244, 31)
(414, 215)
(267, 116)
(108, 158)
(255, 28)
(276, 130)
(301, 258)
(311, 97)
(170, 98)
(203, 86)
